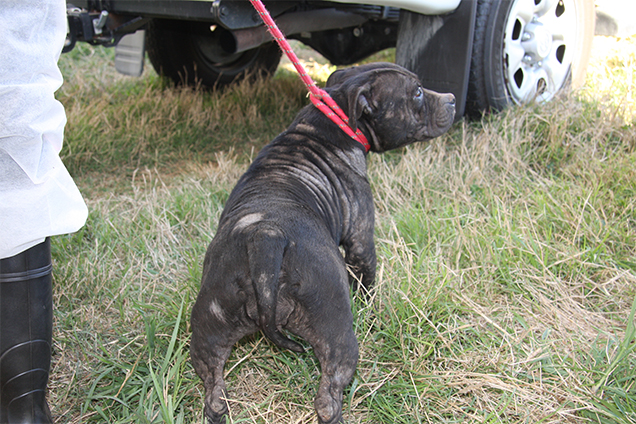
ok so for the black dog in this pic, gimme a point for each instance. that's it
(274, 262)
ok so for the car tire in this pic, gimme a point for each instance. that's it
(191, 53)
(527, 50)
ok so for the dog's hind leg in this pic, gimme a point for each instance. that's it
(338, 362)
(208, 361)
(210, 348)
(328, 326)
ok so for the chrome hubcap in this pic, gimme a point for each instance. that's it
(537, 41)
(538, 50)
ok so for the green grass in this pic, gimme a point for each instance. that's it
(506, 289)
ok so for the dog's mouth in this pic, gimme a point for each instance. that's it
(449, 115)
(444, 116)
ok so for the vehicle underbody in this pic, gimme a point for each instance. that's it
(488, 53)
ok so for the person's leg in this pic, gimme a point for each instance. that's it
(26, 314)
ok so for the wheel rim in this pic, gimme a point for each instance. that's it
(538, 49)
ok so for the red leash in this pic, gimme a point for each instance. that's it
(320, 98)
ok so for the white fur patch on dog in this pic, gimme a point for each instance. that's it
(248, 220)
(216, 310)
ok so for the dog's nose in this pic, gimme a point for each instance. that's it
(448, 99)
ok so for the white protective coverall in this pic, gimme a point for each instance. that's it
(38, 197)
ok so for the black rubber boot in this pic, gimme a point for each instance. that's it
(26, 323)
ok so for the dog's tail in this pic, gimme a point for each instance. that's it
(265, 255)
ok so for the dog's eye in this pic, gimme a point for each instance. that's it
(419, 93)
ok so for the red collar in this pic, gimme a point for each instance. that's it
(335, 113)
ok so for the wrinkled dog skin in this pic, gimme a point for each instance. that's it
(274, 262)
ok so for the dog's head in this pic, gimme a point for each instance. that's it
(389, 103)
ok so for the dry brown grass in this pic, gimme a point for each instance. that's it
(506, 272)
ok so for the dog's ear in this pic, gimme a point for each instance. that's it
(358, 104)
(337, 77)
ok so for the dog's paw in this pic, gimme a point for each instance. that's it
(214, 418)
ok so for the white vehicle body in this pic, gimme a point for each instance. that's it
(425, 7)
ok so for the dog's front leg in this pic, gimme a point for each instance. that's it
(361, 259)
